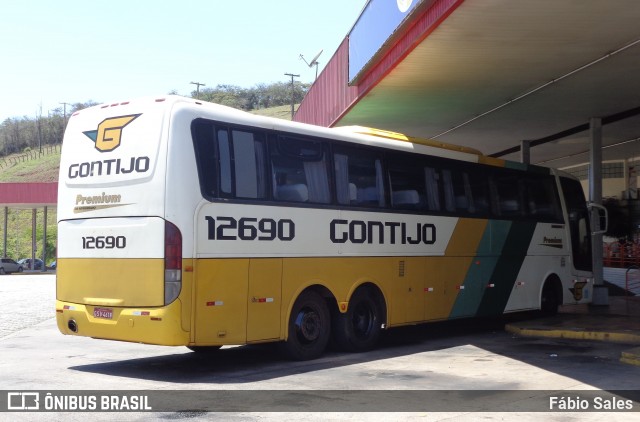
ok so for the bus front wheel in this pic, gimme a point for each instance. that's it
(550, 299)
(360, 327)
(309, 327)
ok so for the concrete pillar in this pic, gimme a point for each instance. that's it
(600, 291)
(525, 152)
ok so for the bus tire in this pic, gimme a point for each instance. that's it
(204, 349)
(359, 329)
(549, 301)
(309, 327)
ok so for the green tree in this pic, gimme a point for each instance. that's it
(19, 133)
(259, 96)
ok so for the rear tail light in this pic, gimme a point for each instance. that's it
(172, 262)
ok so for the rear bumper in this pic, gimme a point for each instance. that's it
(161, 326)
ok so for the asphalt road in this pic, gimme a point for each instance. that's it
(471, 356)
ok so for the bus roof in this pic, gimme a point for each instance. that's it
(372, 136)
(405, 138)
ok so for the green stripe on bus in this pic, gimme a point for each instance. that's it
(508, 265)
(481, 268)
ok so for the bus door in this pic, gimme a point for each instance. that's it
(579, 232)
(579, 225)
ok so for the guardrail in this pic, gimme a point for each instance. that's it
(6, 162)
(621, 255)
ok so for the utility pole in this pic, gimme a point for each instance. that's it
(64, 114)
(198, 85)
(39, 125)
(292, 91)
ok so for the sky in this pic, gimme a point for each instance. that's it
(71, 51)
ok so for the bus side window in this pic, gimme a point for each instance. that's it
(542, 198)
(359, 172)
(457, 189)
(407, 184)
(249, 163)
(299, 171)
(202, 133)
(508, 195)
(479, 193)
(434, 186)
(241, 164)
(224, 161)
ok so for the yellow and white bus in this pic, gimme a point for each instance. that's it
(188, 223)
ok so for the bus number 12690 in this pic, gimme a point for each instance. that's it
(104, 242)
(246, 228)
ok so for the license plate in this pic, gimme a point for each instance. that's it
(105, 313)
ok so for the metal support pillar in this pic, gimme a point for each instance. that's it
(4, 234)
(44, 241)
(525, 152)
(600, 291)
(34, 213)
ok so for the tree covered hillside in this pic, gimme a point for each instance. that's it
(32, 133)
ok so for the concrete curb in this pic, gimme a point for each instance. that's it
(631, 356)
(37, 272)
(576, 334)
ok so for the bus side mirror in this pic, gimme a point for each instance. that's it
(599, 218)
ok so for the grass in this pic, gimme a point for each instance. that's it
(21, 168)
(281, 112)
(19, 233)
(18, 169)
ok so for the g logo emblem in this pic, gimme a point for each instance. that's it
(109, 133)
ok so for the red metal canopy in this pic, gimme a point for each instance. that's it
(28, 195)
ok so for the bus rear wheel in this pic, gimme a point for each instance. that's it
(360, 327)
(309, 327)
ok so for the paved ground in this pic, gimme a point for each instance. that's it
(472, 356)
(25, 300)
(618, 322)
